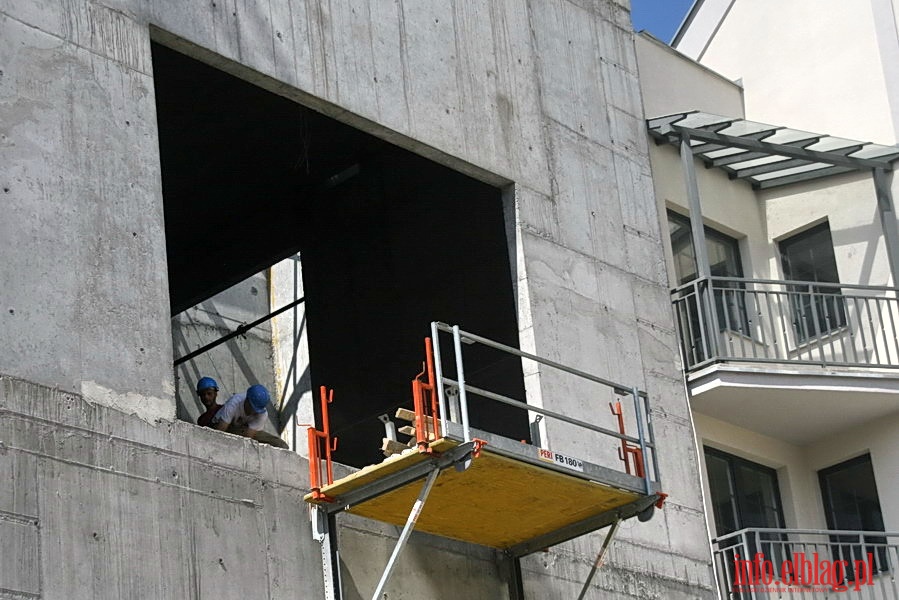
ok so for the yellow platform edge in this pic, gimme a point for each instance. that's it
(498, 502)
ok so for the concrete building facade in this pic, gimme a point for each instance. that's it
(535, 105)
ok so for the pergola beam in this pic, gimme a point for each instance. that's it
(831, 158)
(797, 177)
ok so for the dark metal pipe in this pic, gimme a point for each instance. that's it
(239, 331)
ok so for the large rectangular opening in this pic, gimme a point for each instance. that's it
(389, 241)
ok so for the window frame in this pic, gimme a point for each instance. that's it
(823, 311)
(734, 461)
(843, 547)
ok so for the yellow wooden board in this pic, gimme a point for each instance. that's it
(371, 473)
(497, 502)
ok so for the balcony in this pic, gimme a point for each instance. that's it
(786, 322)
(758, 564)
(787, 358)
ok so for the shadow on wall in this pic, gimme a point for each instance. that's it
(236, 364)
(302, 385)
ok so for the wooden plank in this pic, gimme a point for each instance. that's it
(390, 447)
(388, 466)
(405, 414)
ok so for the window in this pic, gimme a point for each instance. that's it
(723, 251)
(808, 256)
(730, 300)
(849, 494)
(744, 493)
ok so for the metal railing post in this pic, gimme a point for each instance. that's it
(640, 436)
(652, 441)
(460, 374)
(712, 317)
(438, 376)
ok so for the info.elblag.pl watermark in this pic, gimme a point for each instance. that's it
(801, 573)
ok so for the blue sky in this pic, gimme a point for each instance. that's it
(659, 17)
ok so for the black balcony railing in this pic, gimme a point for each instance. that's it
(791, 564)
(769, 321)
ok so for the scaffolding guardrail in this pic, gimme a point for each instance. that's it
(644, 440)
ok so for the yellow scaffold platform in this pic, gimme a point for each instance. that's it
(498, 502)
(479, 487)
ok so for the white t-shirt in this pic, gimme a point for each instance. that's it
(233, 412)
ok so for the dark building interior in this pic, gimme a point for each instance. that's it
(390, 241)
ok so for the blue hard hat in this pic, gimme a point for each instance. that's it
(205, 383)
(258, 397)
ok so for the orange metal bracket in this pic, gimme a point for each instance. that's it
(627, 450)
(478, 444)
(424, 397)
(315, 444)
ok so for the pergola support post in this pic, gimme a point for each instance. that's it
(697, 229)
(705, 299)
(887, 213)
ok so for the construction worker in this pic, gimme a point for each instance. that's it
(207, 390)
(244, 414)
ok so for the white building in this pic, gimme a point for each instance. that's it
(794, 389)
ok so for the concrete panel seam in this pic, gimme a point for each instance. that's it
(636, 276)
(19, 519)
(660, 413)
(153, 480)
(8, 594)
(580, 135)
(135, 444)
(580, 253)
(420, 537)
(645, 575)
(656, 326)
(77, 45)
(541, 100)
(667, 376)
(640, 233)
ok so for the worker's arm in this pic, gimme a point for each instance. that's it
(225, 415)
(250, 433)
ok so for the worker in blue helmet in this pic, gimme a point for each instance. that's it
(207, 391)
(244, 414)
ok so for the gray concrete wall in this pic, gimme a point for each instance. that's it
(542, 94)
(293, 376)
(85, 293)
(105, 505)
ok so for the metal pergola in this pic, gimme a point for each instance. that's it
(768, 156)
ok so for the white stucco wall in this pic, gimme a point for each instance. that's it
(877, 438)
(776, 50)
(797, 483)
(673, 83)
(797, 465)
(849, 205)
